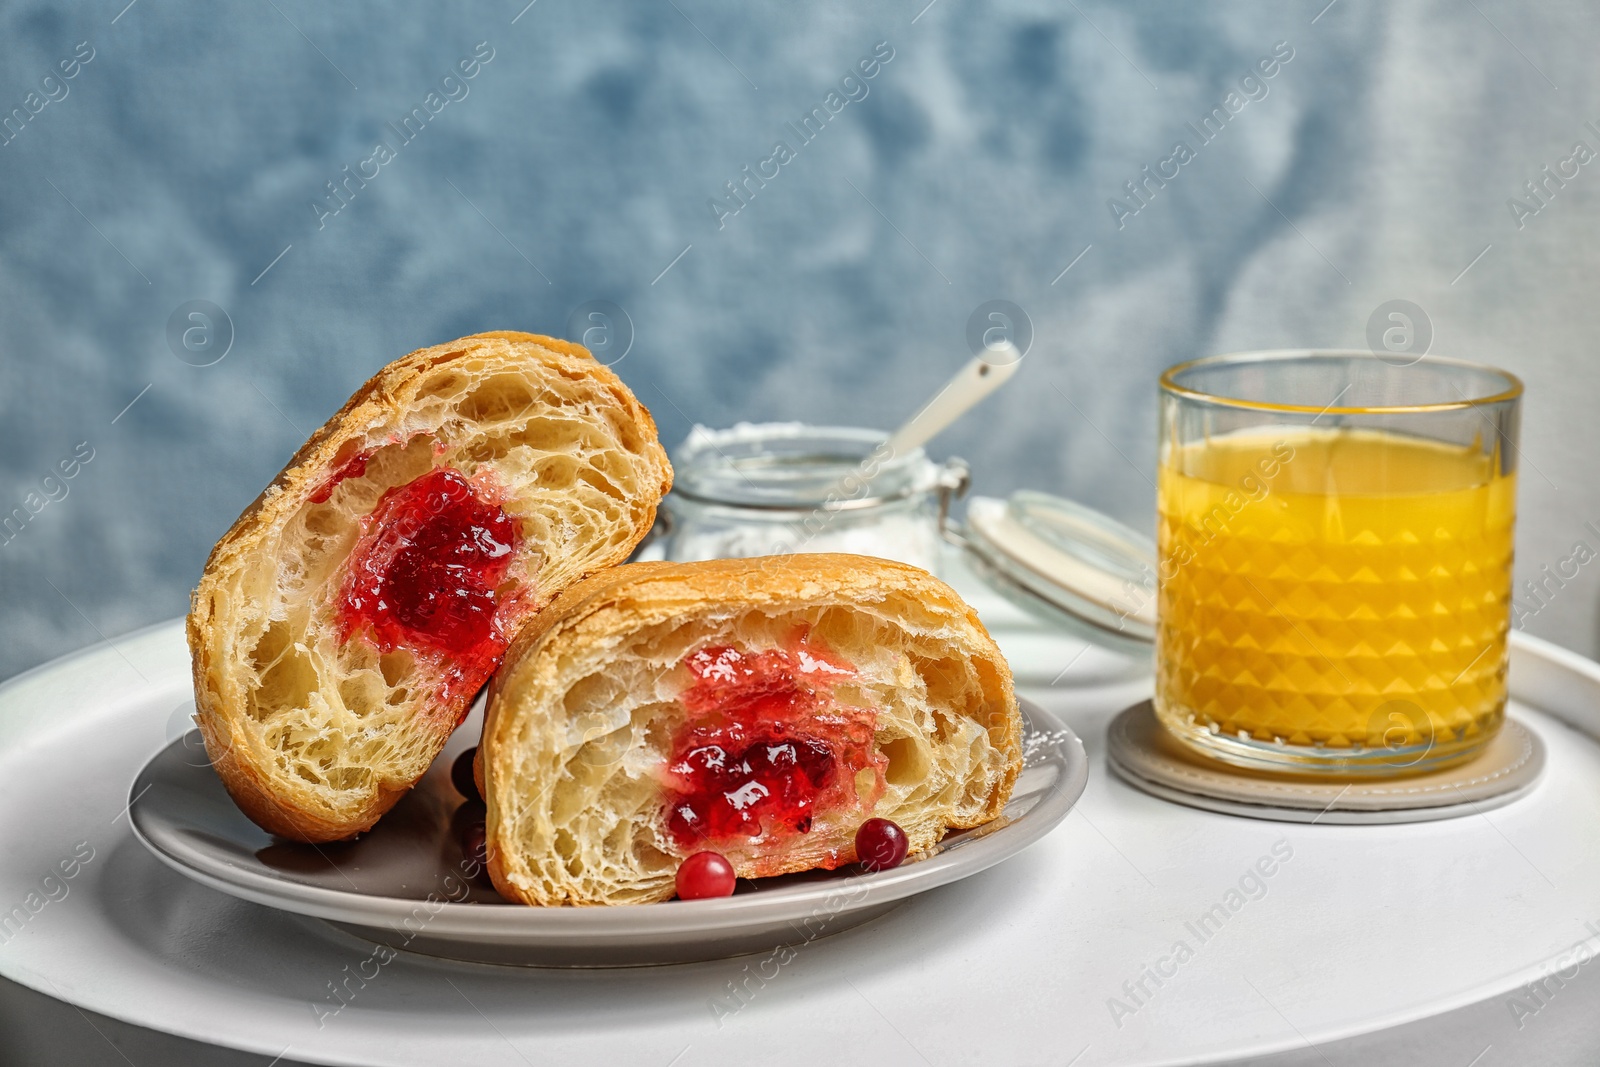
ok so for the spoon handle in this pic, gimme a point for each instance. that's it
(982, 376)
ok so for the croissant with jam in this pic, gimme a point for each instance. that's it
(762, 709)
(346, 621)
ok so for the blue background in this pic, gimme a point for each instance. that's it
(186, 155)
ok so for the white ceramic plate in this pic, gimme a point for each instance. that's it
(400, 883)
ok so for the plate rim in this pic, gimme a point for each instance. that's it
(554, 924)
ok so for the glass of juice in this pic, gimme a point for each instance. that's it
(1335, 542)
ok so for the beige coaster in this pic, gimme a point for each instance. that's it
(1142, 753)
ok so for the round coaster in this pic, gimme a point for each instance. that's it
(1147, 757)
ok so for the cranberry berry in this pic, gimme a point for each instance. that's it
(880, 845)
(469, 826)
(475, 845)
(461, 775)
(705, 874)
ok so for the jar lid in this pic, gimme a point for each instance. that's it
(1068, 563)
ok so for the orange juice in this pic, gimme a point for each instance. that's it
(1337, 588)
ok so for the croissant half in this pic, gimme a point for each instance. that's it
(346, 621)
(760, 708)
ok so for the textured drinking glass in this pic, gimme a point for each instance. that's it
(1335, 541)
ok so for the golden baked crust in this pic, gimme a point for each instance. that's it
(316, 738)
(583, 709)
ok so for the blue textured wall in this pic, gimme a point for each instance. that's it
(585, 156)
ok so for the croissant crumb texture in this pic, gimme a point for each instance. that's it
(588, 715)
(317, 729)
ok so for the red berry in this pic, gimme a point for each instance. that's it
(880, 844)
(471, 833)
(705, 874)
(461, 775)
(475, 844)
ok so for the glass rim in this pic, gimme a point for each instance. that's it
(1169, 384)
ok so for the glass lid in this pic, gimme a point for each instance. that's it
(1069, 564)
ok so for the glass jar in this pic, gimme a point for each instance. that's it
(775, 488)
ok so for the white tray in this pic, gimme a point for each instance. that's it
(1361, 928)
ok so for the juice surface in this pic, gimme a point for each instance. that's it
(1334, 587)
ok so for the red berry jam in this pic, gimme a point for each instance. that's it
(767, 749)
(880, 844)
(426, 576)
(705, 874)
(355, 468)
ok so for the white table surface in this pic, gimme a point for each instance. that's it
(1363, 928)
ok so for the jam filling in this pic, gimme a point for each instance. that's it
(426, 575)
(767, 749)
(355, 468)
